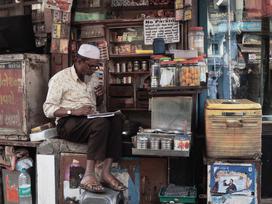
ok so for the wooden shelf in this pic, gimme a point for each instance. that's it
(19, 143)
(146, 7)
(160, 153)
(130, 73)
(127, 42)
(130, 55)
(177, 90)
(109, 22)
(11, 5)
(37, 21)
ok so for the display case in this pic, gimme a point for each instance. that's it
(128, 72)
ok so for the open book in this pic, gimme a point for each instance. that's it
(103, 115)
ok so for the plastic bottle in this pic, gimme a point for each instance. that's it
(25, 188)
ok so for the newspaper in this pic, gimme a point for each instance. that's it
(103, 115)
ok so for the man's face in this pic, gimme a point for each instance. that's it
(90, 66)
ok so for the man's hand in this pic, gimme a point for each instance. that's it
(98, 90)
(84, 110)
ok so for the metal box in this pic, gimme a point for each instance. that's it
(233, 129)
(234, 182)
(23, 88)
(109, 197)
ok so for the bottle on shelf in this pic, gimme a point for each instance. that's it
(25, 196)
(129, 67)
(155, 73)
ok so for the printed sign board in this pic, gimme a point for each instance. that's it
(60, 5)
(166, 28)
(232, 183)
(11, 95)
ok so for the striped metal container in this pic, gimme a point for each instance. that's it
(233, 128)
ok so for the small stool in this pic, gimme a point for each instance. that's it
(109, 197)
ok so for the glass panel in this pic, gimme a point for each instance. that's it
(238, 49)
(171, 113)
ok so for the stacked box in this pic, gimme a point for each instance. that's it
(234, 182)
(233, 129)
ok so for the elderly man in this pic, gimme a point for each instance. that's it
(70, 98)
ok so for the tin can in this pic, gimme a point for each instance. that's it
(129, 80)
(125, 80)
(116, 50)
(142, 142)
(166, 143)
(181, 144)
(155, 143)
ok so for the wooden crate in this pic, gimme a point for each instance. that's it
(233, 130)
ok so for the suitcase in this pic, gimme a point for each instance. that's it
(109, 197)
(233, 129)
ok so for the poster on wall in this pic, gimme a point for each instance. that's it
(166, 28)
(232, 183)
(60, 5)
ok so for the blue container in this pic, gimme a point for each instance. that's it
(158, 46)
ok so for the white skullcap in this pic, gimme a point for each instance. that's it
(89, 51)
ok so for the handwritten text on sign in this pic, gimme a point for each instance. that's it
(166, 28)
(11, 94)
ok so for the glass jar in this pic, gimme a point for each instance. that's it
(203, 71)
(190, 74)
(196, 39)
(136, 66)
(178, 73)
(168, 74)
(144, 66)
(155, 73)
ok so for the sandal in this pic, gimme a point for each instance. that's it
(94, 187)
(114, 184)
